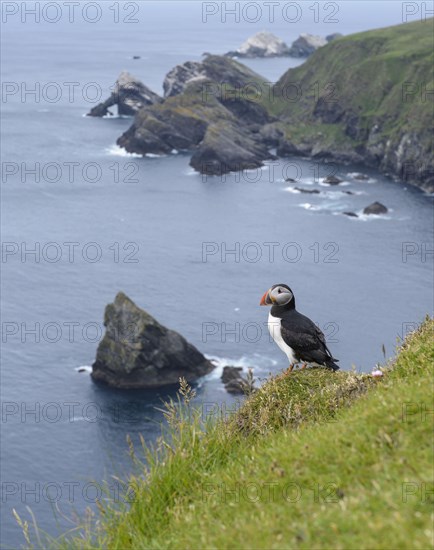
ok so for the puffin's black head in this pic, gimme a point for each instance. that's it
(278, 295)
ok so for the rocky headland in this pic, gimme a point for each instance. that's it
(352, 105)
(201, 114)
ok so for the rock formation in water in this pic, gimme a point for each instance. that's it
(235, 382)
(309, 191)
(137, 352)
(205, 112)
(262, 44)
(130, 95)
(335, 106)
(332, 180)
(375, 208)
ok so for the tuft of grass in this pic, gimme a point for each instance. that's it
(311, 395)
(313, 459)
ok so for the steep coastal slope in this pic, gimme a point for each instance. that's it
(365, 98)
(311, 460)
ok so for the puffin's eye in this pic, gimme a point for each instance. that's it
(279, 291)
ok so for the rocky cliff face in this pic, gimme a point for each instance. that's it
(177, 79)
(266, 44)
(130, 95)
(262, 44)
(206, 113)
(138, 352)
(363, 99)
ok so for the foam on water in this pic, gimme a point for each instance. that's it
(117, 151)
(258, 363)
(83, 368)
(342, 184)
(154, 156)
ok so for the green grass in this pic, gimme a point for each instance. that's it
(368, 74)
(311, 460)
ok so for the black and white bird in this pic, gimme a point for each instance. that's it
(295, 334)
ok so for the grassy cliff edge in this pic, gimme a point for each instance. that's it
(365, 98)
(311, 460)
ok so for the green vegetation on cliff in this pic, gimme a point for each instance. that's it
(366, 97)
(311, 460)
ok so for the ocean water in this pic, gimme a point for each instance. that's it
(82, 220)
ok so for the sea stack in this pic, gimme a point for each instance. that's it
(137, 352)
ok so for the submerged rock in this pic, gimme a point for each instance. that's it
(137, 352)
(233, 380)
(130, 95)
(304, 190)
(375, 208)
(231, 373)
(262, 44)
(360, 177)
(306, 44)
(332, 180)
(350, 214)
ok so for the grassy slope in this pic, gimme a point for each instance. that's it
(335, 472)
(367, 71)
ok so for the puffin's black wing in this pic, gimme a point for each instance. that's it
(306, 339)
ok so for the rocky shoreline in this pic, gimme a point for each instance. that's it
(229, 118)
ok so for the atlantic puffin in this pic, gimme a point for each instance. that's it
(295, 334)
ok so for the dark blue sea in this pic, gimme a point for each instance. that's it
(81, 220)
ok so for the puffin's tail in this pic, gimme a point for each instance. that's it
(332, 365)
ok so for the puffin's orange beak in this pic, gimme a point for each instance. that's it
(263, 301)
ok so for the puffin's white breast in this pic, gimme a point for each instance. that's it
(274, 329)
